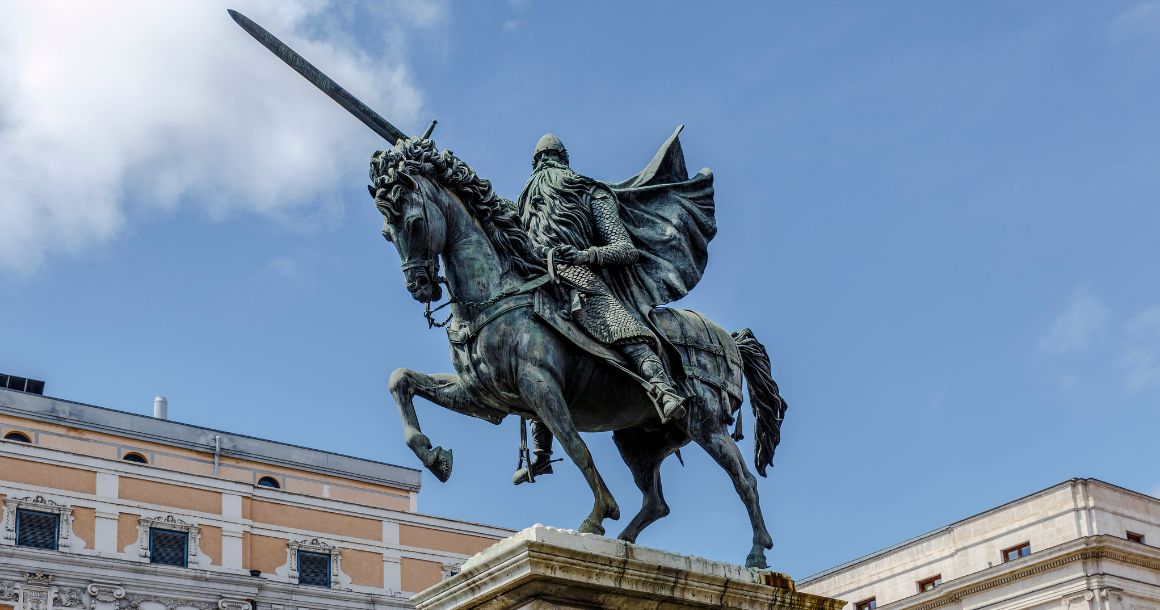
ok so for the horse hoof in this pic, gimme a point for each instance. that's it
(441, 464)
(591, 526)
(756, 559)
(613, 512)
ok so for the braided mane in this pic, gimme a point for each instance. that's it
(392, 174)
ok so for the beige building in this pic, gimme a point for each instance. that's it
(107, 510)
(1080, 545)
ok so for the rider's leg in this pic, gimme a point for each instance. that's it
(541, 455)
(648, 364)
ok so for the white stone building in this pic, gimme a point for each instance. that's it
(1080, 545)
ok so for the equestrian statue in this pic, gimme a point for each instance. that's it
(557, 312)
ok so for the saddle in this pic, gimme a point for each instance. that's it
(707, 353)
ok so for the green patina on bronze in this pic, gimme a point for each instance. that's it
(557, 311)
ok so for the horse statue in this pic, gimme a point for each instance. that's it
(514, 354)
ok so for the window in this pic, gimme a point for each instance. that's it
(866, 604)
(1017, 551)
(168, 547)
(134, 457)
(314, 569)
(930, 583)
(37, 529)
(270, 482)
(1134, 537)
(19, 437)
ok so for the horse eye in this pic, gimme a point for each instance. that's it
(387, 236)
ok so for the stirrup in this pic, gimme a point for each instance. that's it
(522, 475)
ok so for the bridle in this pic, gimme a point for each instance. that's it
(430, 263)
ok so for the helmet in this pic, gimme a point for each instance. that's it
(550, 142)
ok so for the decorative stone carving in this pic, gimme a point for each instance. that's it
(133, 601)
(7, 590)
(289, 570)
(228, 603)
(140, 547)
(67, 540)
(106, 592)
(451, 568)
(38, 578)
(68, 598)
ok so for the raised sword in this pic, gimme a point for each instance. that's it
(361, 111)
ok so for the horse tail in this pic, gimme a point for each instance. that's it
(765, 399)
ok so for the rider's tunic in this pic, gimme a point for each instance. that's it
(600, 312)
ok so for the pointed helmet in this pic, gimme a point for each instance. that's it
(550, 142)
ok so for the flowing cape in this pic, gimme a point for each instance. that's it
(671, 220)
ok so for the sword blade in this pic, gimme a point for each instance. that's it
(361, 111)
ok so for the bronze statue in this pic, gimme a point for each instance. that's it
(556, 312)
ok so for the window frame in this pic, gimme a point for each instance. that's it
(1134, 537)
(18, 436)
(934, 582)
(64, 535)
(269, 482)
(55, 528)
(870, 603)
(135, 457)
(169, 531)
(1018, 548)
(329, 567)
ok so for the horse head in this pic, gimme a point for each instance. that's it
(412, 221)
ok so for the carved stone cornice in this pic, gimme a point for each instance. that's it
(133, 601)
(1092, 550)
(8, 590)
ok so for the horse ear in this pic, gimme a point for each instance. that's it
(405, 177)
(372, 190)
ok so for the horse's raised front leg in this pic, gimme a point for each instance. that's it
(723, 449)
(444, 390)
(540, 391)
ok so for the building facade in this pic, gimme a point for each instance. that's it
(1080, 545)
(109, 510)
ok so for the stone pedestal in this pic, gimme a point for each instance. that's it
(542, 567)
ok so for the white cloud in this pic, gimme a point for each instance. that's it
(1079, 326)
(1141, 367)
(1139, 20)
(1146, 324)
(1141, 362)
(107, 107)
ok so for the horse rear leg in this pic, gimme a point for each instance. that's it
(721, 447)
(644, 451)
(540, 391)
(444, 390)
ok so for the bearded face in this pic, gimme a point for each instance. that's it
(554, 207)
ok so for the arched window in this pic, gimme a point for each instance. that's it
(19, 437)
(270, 482)
(134, 457)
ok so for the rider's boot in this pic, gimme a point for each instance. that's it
(670, 404)
(541, 456)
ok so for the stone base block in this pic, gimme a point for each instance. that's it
(543, 567)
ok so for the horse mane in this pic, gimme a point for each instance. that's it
(392, 173)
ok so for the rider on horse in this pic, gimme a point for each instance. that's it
(575, 221)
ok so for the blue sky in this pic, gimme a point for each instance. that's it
(939, 217)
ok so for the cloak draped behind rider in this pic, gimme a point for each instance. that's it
(670, 218)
